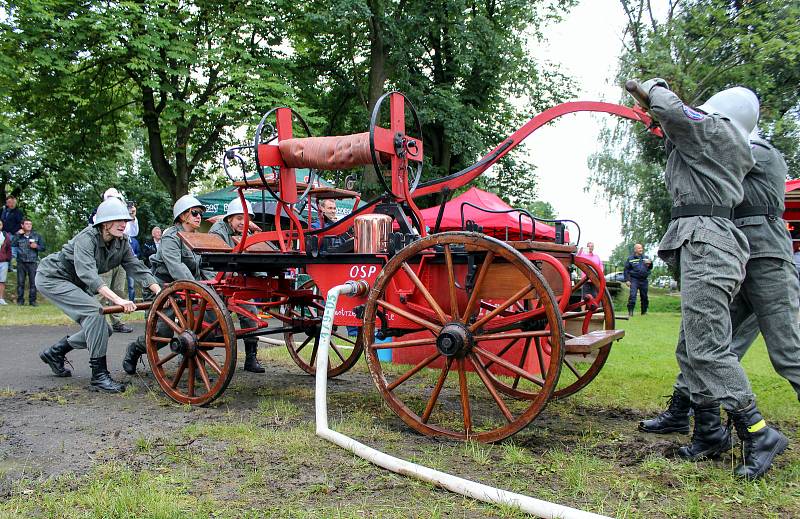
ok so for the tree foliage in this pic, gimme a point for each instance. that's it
(699, 47)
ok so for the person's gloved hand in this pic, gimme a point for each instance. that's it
(648, 85)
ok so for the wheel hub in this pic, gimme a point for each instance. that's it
(184, 343)
(454, 340)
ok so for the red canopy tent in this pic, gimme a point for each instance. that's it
(792, 213)
(500, 225)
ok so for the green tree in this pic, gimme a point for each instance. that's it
(188, 72)
(700, 47)
(464, 65)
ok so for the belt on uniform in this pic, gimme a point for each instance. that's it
(756, 210)
(685, 211)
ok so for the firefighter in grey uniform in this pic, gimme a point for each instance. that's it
(173, 261)
(71, 278)
(708, 157)
(226, 228)
(769, 297)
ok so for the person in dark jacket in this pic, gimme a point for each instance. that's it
(29, 244)
(71, 279)
(12, 217)
(150, 247)
(637, 270)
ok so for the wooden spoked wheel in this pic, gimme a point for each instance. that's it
(344, 351)
(191, 343)
(471, 303)
(597, 313)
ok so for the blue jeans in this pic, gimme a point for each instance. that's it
(131, 289)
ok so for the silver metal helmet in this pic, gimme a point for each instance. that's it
(235, 207)
(112, 210)
(112, 192)
(185, 203)
(738, 104)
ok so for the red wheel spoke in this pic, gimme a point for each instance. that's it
(201, 312)
(513, 335)
(166, 359)
(572, 368)
(189, 310)
(402, 344)
(448, 257)
(410, 373)
(502, 352)
(177, 310)
(508, 302)
(211, 344)
(191, 376)
(203, 374)
(436, 390)
(161, 315)
(425, 293)
(509, 366)
(462, 386)
(540, 356)
(336, 351)
(522, 360)
(162, 340)
(344, 338)
(210, 361)
(487, 381)
(411, 317)
(208, 330)
(472, 304)
(305, 343)
(177, 378)
(313, 361)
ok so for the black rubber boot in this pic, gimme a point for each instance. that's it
(674, 419)
(250, 360)
(760, 442)
(630, 312)
(135, 350)
(101, 379)
(710, 438)
(55, 356)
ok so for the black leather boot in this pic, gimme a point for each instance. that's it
(135, 350)
(760, 442)
(710, 438)
(250, 360)
(55, 356)
(101, 378)
(674, 419)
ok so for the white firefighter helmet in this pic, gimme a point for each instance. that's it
(111, 210)
(112, 192)
(739, 104)
(235, 207)
(185, 203)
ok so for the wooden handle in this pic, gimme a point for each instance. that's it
(117, 309)
(638, 93)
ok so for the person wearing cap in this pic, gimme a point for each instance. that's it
(70, 279)
(708, 158)
(173, 261)
(228, 227)
(769, 299)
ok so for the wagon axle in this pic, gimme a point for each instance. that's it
(184, 344)
(455, 340)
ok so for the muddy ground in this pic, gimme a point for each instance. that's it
(51, 426)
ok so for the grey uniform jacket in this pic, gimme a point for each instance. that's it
(765, 185)
(86, 256)
(224, 231)
(175, 261)
(707, 160)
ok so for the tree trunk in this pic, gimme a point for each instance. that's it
(155, 145)
(378, 54)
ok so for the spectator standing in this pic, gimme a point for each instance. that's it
(12, 217)
(588, 288)
(137, 251)
(326, 213)
(637, 270)
(151, 247)
(5, 260)
(29, 244)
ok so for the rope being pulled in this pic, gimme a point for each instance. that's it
(328, 153)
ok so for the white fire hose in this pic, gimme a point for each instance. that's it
(461, 486)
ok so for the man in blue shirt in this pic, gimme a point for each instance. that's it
(637, 270)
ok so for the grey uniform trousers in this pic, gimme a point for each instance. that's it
(81, 308)
(116, 280)
(769, 300)
(710, 277)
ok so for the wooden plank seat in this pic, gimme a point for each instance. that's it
(259, 248)
(542, 246)
(202, 242)
(332, 193)
(593, 341)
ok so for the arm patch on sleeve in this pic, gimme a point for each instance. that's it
(693, 114)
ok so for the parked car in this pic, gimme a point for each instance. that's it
(615, 276)
(614, 282)
(665, 282)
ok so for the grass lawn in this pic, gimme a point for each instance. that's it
(584, 452)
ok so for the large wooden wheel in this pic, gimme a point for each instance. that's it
(473, 317)
(303, 344)
(587, 314)
(191, 343)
